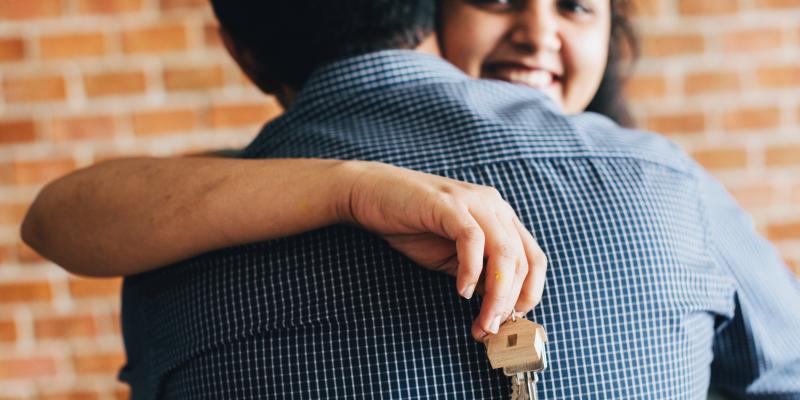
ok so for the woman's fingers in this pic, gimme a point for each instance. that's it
(480, 224)
(460, 225)
(508, 217)
(531, 292)
(503, 253)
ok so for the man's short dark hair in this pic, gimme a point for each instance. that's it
(292, 38)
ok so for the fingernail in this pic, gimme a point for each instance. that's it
(469, 291)
(496, 324)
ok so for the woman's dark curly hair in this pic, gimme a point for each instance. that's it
(623, 50)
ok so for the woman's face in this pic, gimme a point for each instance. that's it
(557, 46)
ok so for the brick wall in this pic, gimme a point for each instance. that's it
(86, 80)
(722, 78)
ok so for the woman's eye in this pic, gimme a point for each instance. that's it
(575, 6)
(495, 5)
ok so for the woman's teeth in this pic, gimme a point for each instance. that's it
(537, 78)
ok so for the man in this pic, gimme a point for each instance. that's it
(656, 278)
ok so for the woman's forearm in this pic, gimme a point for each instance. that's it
(128, 216)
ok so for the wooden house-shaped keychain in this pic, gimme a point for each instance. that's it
(518, 345)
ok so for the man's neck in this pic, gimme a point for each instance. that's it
(430, 45)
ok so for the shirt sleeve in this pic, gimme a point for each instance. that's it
(757, 352)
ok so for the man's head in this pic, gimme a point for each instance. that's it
(280, 43)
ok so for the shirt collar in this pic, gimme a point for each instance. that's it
(375, 71)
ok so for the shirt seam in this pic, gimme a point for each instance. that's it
(569, 157)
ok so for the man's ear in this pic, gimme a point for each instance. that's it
(258, 74)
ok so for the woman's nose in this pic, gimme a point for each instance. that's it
(536, 29)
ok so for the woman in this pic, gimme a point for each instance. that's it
(568, 49)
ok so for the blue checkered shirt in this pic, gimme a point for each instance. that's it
(658, 284)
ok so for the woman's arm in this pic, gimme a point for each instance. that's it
(129, 216)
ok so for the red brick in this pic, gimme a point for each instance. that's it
(7, 255)
(17, 131)
(109, 6)
(42, 171)
(7, 173)
(646, 87)
(11, 49)
(99, 363)
(183, 4)
(122, 393)
(158, 122)
(784, 231)
(116, 323)
(25, 292)
(671, 45)
(648, 8)
(198, 78)
(155, 39)
(82, 288)
(73, 45)
(107, 322)
(797, 117)
(115, 84)
(753, 40)
(8, 331)
(753, 118)
(84, 127)
(244, 114)
(64, 327)
(28, 9)
(710, 82)
(35, 88)
(677, 123)
(778, 4)
(239, 77)
(116, 154)
(76, 394)
(211, 35)
(794, 34)
(794, 266)
(783, 156)
(779, 77)
(12, 213)
(28, 368)
(717, 159)
(713, 7)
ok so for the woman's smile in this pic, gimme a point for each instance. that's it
(558, 47)
(536, 75)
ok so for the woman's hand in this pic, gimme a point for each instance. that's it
(86, 220)
(451, 226)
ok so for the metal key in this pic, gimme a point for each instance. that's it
(520, 348)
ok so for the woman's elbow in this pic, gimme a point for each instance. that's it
(37, 232)
(33, 230)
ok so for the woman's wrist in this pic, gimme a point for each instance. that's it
(345, 178)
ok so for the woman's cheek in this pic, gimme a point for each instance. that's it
(457, 49)
(586, 65)
(470, 36)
